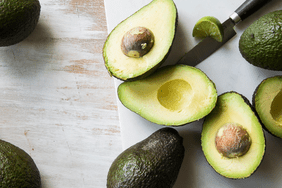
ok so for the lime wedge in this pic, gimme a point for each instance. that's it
(208, 26)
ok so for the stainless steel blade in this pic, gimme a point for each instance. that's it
(208, 46)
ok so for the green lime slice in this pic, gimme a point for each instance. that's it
(208, 26)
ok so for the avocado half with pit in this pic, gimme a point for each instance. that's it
(232, 137)
(174, 95)
(137, 46)
(267, 101)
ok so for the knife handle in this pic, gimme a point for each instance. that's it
(249, 7)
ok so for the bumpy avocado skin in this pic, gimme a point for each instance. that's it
(17, 168)
(18, 19)
(152, 163)
(260, 44)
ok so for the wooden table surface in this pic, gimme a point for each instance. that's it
(58, 102)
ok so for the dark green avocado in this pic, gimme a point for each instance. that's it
(17, 169)
(152, 163)
(18, 19)
(137, 46)
(261, 45)
(232, 138)
(267, 101)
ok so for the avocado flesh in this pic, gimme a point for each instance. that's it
(233, 108)
(159, 16)
(260, 44)
(17, 168)
(18, 19)
(174, 95)
(267, 100)
(152, 163)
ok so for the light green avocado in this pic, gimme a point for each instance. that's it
(17, 168)
(148, 34)
(244, 142)
(151, 163)
(260, 44)
(267, 101)
(18, 19)
(174, 95)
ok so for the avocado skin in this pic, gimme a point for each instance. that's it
(153, 69)
(17, 168)
(260, 44)
(152, 163)
(18, 18)
(254, 104)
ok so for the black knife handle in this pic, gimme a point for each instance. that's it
(249, 7)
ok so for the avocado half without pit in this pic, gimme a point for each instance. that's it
(232, 138)
(174, 95)
(137, 46)
(267, 101)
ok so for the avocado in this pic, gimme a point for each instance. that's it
(151, 163)
(18, 19)
(260, 43)
(232, 137)
(174, 95)
(267, 101)
(137, 46)
(17, 168)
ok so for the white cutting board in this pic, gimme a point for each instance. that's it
(227, 69)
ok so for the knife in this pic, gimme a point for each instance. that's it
(209, 45)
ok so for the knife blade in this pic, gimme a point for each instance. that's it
(209, 45)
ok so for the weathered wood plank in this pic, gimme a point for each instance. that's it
(57, 101)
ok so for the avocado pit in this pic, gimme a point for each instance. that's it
(137, 42)
(232, 140)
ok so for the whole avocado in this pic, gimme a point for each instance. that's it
(261, 45)
(18, 18)
(152, 163)
(17, 169)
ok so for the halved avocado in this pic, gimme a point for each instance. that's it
(267, 101)
(174, 95)
(137, 46)
(234, 125)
